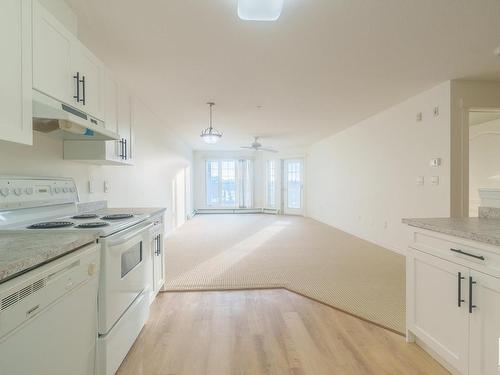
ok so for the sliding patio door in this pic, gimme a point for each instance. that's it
(293, 187)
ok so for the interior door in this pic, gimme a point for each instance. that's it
(485, 325)
(293, 187)
(437, 307)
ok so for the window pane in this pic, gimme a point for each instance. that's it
(228, 183)
(212, 179)
(246, 182)
(271, 183)
(294, 184)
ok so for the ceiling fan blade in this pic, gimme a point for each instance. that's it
(267, 149)
(249, 147)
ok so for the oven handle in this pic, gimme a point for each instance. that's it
(124, 238)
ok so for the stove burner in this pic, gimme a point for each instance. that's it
(95, 224)
(85, 216)
(51, 224)
(117, 217)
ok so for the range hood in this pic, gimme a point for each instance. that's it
(57, 119)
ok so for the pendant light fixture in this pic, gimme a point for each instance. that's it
(211, 135)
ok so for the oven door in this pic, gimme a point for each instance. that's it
(123, 272)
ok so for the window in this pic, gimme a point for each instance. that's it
(212, 174)
(271, 183)
(294, 181)
(229, 183)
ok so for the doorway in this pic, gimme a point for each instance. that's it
(293, 186)
(484, 158)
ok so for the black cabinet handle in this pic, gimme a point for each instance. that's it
(460, 278)
(468, 254)
(122, 153)
(471, 305)
(77, 78)
(126, 156)
(83, 90)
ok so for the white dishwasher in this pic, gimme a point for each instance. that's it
(48, 317)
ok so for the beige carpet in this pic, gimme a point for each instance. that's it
(302, 255)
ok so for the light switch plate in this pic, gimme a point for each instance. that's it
(435, 180)
(419, 117)
(435, 162)
(420, 180)
(91, 185)
(105, 186)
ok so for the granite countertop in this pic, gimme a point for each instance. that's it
(21, 252)
(486, 230)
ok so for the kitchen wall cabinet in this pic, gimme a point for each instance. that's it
(64, 68)
(118, 118)
(453, 301)
(15, 71)
(125, 123)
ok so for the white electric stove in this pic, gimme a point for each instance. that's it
(32, 204)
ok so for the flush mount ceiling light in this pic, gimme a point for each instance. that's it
(211, 135)
(260, 10)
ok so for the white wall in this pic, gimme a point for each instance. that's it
(484, 161)
(158, 157)
(363, 179)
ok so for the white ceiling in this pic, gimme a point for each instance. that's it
(323, 66)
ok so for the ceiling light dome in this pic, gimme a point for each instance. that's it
(260, 10)
(211, 135)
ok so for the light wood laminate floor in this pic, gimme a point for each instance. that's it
(266, 332)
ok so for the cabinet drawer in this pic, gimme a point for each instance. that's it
(468, 253)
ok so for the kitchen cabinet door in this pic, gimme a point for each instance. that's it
(90, 71)
(158, 267)
(435, 287)
(113, 148)
(485, 325)
(15, 71)
(52, 66)
(125, 122)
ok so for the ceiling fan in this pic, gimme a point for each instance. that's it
(257, 146)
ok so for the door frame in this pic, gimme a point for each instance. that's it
(284, 187)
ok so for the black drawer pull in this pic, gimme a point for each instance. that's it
(468, 254)
(460, 278)
(471, 305)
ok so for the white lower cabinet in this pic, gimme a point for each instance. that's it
(485, 325)
(157, 255)
(453, 303)
(436, 317)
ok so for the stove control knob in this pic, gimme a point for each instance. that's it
(92, 269)
(72, 189)
(18, 191)
(57, 190)
(29, 190)
(65, 189)
(4, 191)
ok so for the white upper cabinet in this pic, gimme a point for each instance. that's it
(90, 73)
(125, 122)
(15, 71)
(64, 68)
(52, 70)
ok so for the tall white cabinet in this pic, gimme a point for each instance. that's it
(15, 71)
(453, 301)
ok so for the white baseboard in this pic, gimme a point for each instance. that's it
(202, 211)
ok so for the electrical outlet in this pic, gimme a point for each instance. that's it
(420, 180)
(91, 185)
(419, 116)
(105, 186)
(436, 111)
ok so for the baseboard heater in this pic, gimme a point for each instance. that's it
(271, 211)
